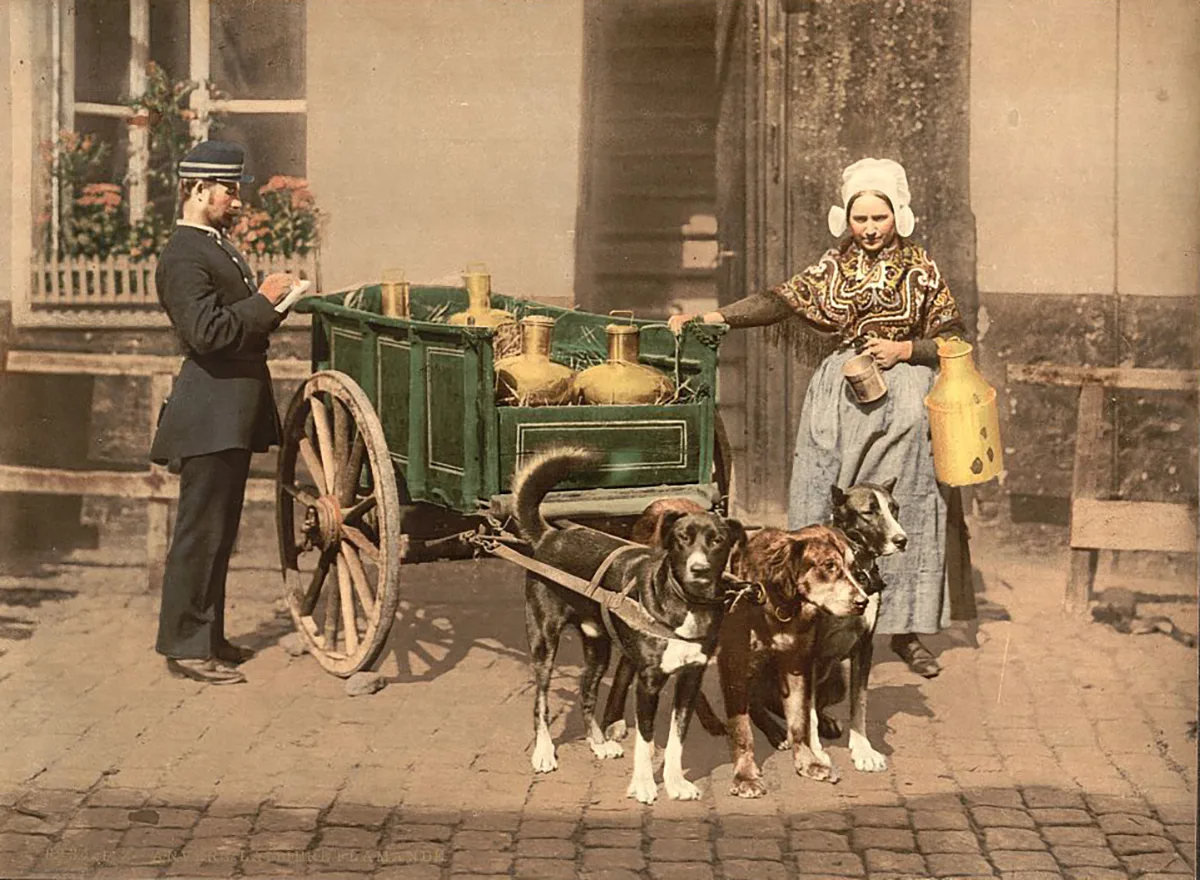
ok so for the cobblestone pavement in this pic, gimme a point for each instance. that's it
(1047, 748)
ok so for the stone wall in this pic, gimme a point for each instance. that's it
(1155, 449)
(91, 423)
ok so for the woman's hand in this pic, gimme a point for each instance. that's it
(887, 352)
(676, 322)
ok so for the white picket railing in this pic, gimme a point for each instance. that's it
(121, 283)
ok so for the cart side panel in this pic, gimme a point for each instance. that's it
(346, 350)
(642, 445)
(447, 403)
(394, 379)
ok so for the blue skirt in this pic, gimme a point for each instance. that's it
(842, 442)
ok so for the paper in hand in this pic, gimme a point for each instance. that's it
(292, 296)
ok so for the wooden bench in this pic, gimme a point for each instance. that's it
(155, 485)
(1099, 523)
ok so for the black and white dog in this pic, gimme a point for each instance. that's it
(868, 515)
(679, 585)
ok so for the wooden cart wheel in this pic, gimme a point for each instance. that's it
(338, 515)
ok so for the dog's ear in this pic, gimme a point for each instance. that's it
(889, 485)
(669, 518)
(737, 543)
(838, 496)
(785, 565)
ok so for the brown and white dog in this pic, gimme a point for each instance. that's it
(807, 575)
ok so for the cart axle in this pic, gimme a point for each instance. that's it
(323, 523)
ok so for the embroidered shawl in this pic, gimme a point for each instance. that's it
(900, 294)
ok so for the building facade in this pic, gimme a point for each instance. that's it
(571, 146)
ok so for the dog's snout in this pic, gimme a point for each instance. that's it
(698, 565)
(901, 541)
(861, 602)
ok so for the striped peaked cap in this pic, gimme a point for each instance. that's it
(215, 160)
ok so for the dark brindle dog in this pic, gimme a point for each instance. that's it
(679, 585)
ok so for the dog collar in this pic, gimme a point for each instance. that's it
(692, 599)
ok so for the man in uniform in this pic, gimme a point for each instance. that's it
(220, 411)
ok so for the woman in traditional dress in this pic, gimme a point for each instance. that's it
(881, 294)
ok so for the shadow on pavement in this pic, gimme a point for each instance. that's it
(14, 628)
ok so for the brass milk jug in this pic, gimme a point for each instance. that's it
(623, 380)
(479, 311)
(531, 378)
(963, 420)
(395, 294)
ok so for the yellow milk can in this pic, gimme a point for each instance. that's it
(531, 378)
(479, 311)
(963, 419)
(622, 380)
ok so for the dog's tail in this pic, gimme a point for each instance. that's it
(537, 477)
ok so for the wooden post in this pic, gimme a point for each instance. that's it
(158, 510)
(1089, 447)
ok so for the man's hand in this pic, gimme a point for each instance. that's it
(886, 352)
(276, 285)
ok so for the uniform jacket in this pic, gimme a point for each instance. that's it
(222, 396)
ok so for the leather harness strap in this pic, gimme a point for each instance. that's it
(629, 610)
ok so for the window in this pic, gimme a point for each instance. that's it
(247, 56)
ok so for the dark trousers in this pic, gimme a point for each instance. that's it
(191, 621)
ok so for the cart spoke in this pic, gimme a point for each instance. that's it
(324, 441)
(353, 468)
(362, 542)
(308, 601)
(313, 462)
(362, 584)
(342, 422)
(348, 622)
(332, 609)
(302, 494)
(360, 508)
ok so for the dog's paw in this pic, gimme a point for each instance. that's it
(617, 730)
(817, 765)
(819, 772)
(644, 790)
(681, 789)
(747, 788)
(784, 744)
(866, 759)
(607, 749)
(828, 727)
(544, 759)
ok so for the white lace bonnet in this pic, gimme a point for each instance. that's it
(879, 175)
